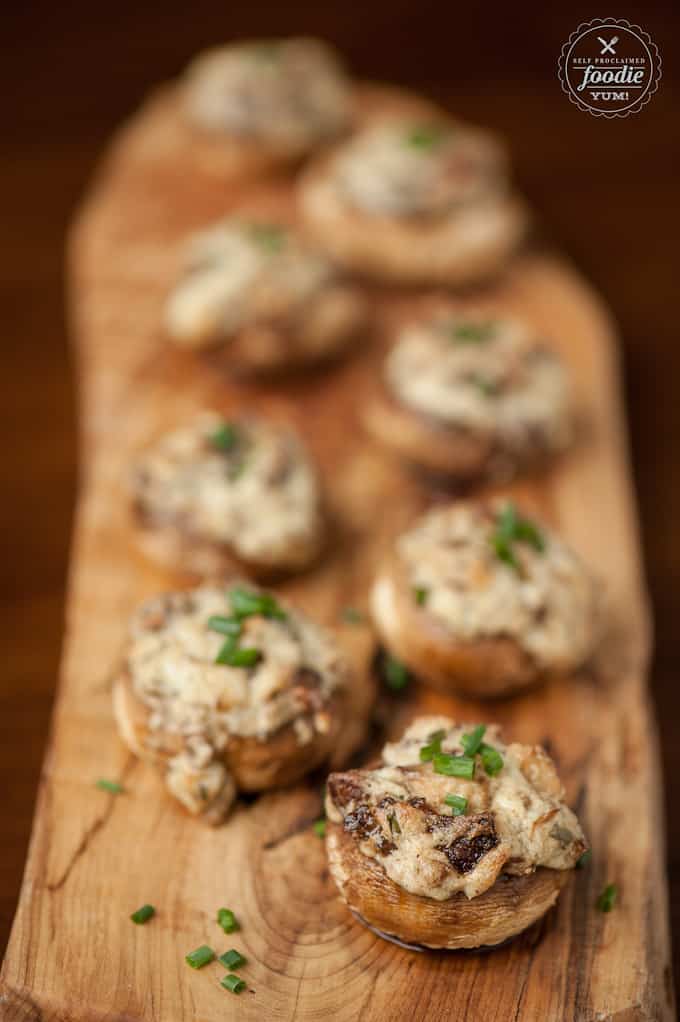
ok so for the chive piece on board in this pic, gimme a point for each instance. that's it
(227, 920)
(607, 900)
(320, 827)
(232, 959)
(203, 955)
(143, 914)
(233, 983)
(113, 787)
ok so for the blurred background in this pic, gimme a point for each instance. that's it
(606, 193)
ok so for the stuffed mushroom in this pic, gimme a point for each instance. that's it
(227, 690)
(480, 599)
(469, 392)
(256, 297)
(221, 493)
(415, 200)
(263, 103)
(454, 840)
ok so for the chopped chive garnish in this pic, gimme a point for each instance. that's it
(143, 914)
(434, 745)
(454, 766)
(271, 237)
(203, 955)
(246, 603)
(492, 761)
(396, 674)
(225, 437)
(484, 384)
(233, 656)
(607, 900)
(584, 860)
(458, 804)
(236, 470)
(472, 742)
(227, 920)
(224, 625)
(352, 615)
(426, 136)
(472, 333)
(113, 787)
(420, 595)
(394, 823)
(511, 528)
(320, 827)
(232, 959)
(233, 983)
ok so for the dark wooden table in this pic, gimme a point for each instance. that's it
(606, 192)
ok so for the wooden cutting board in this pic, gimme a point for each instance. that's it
(95, 857)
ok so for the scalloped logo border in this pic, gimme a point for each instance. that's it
(646, 41)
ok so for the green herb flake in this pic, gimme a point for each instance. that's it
(492, 761)
(234, 656)
(607, 900)
(232, 959)
(352, 616)
(434, 746)
(472, 742)
(420, 595)
(454, 766)
(511, 527)
(225, 625)
(203, 955)
(225, 437)
(394, 823)
(472, 333)
(227, 920)
(113, 787)
(458, 804)
(426, 136)
(233, 983)
(247, 603)
(236, 470)
(585, 859)
(396, 674)
(483, 384)
(143, 914)
(270, 237)
(319, 827)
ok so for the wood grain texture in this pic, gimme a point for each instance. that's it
(94, 858)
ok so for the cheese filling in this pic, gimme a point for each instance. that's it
(482, 373)
(405, 168)
(172, 663)
(513, 821)
(240, 273)
(546, 603)
(260, 497)
(291, 93)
